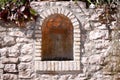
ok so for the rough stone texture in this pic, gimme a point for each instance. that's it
(10, 77)
(10, 68)
(15, 46)
(26, 70)
(26, 58)
(98, 61)
(9, 60)
(27, 49)
(1, 74)
(95, 44)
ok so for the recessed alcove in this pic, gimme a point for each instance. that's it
(57, 38)
(57, 41)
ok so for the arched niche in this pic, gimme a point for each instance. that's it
(57, 38)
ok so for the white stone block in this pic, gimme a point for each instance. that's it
(74, 65)
(1, 65)
(29, 33)
(76, 31)
(59, 10)
(9, 40)
(39, 40)
(55, 10)
(52, 11)
(37, 58)
(45, 65)
(76, 24)
(77, 35)
(72, 17)
(48, 12)
(38, 35)
(70, 14)
(77, 54)
(38, 43)
(38, 47)
(95, 59)
(63, 66)
(62, 11)
(26, 58)
(37, 64)
(73, 20)
(45, 14)
(77, 47)
(38, 32)
(8, 76)
(98, 34)
(71, 66)
(66, 65)
(60, 66)
(56, 65)
(39, 26)
(48, 66)
(37, 54)
(10, 68)
(77, 42)
(77, 51)
(40, 66)
(38, 51)
(78, 10)
(77, 58)
(1, 74)
(22, 40)
(78, 65)
(42, 16)
(76, 39)
(66, 12)
(52, 66)
(9, 60)
(17, 33)
(3, 52)
(77, 27)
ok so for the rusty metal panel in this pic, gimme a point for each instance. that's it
(57, 38)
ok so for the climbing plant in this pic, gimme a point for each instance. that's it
(17, 11)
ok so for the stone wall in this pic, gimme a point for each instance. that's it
(16, 51)
(17, 48)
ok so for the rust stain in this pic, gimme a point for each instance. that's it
(57, 38)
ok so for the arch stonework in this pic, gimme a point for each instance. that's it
(66, 65)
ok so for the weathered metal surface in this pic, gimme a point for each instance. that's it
(57, 38)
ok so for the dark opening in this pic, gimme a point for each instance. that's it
(57, 38)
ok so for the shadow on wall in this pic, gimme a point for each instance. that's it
(83, 37)
(6, 24)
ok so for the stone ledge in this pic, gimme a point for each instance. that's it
(57, 65)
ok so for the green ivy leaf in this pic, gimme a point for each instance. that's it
(89, 1)
(33, 12)
(14, 1)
